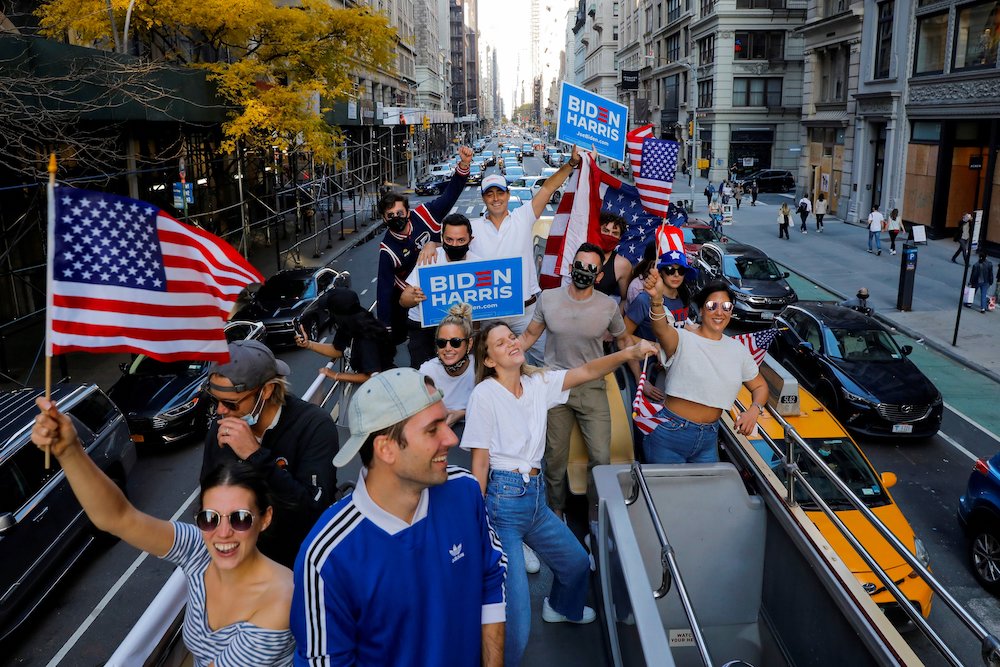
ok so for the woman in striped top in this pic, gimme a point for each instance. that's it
(238, 599)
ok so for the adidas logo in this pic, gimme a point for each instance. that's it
(456, 553)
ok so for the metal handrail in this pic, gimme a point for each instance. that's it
(990, 644)
(668, 560)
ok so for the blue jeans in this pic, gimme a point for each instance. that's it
(984, 297)
(877, 237)
(519, 513)
(678, 440)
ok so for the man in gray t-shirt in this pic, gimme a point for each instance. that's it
(577, 319)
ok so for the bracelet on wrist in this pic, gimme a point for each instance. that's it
(656, 304)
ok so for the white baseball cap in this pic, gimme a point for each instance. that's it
(494, 181)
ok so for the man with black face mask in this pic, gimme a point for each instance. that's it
(577, 317)
(409, 234)
(456, 235)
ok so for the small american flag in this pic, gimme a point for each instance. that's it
(654, 165)
(758, 342)
(127, 277)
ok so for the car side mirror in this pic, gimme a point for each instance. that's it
(906, 350)
(786, 274)
(888, 479)
(806, 346)
(7, 522)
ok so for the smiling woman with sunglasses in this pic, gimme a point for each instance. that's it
(453, 369)
(238, 600)
(705, 376)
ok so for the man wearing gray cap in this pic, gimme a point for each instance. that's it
(290, 441)
(406, 570)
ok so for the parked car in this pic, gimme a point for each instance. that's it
(760, 286)
(979, 515)
(771, 180)
(696, 235)
(854, 366)
(432, 185)
(825, 436)
(162, 401)
(43, 530)
(292, 295)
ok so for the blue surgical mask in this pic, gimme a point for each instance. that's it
(254, 416)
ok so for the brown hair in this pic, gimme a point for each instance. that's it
(481, 351)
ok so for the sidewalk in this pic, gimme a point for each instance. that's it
(23, 350)
(837, 261)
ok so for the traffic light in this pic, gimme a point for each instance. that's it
(427, 122)
(690, 128)
(413, 129)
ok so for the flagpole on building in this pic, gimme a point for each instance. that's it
(50, 260)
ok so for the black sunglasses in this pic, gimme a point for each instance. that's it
(209, 520)
(454, 342)
(580, 266)
(214, 401)
(672, 270)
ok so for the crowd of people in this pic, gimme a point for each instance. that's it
(424, 563)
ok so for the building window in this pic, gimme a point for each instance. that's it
(649, 20)
(659, 15)
(674, 47)
(673, 11)
(834, 7)
(832, 65)
(759, 45)
(706, 50)
(705, 94)
(757, 92)
(614, 33)
(932, 33)
(614, 9)
(760, 4)
(926, 131)
(976, 38)
(883, 39)
(707, 7)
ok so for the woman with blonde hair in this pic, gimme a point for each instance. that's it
(784, 220)
(453, 370)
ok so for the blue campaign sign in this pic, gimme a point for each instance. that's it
(491, 286)
(591, 121)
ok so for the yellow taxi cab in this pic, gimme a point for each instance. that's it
(824, 434)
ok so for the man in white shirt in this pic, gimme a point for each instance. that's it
(456, 235)
(876, 223)
(500, 233)
(804, 209)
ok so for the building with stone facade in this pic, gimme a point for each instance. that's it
(600, 40)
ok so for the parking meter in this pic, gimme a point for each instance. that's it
(907, 276)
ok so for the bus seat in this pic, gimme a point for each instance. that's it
(621, 440)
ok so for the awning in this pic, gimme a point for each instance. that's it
(827, 118)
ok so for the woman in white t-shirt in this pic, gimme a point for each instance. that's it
(505, 430)
(707, 371)
(453, 370)
(893, 226)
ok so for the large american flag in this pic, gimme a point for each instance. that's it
(126, 277)
(644, 409)
(654, 165)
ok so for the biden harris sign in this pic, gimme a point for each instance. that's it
(492, 287)
(590, 121)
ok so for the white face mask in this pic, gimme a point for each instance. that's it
(254, 415)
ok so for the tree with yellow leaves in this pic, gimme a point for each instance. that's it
(277, 64)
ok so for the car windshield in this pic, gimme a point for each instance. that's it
(286, 289)
(147, 366)
(523, 194)
(474, 168)
(846, 461)
(862, 345)
(751, 268)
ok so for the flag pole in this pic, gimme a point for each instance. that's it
(48, 289)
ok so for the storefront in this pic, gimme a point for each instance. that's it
(825, 160)
(750, 148)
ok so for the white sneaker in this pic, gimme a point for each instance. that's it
(531, 564)
(892, 252)
(550, 615)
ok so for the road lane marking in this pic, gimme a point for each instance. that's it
(363, 292)
(71, 642)
(454, 209)
(954, 443)
(468, 211)
(972, 421)
(374, 279)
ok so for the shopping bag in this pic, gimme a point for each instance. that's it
(991, 303)
(969, 295)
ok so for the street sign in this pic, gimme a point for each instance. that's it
(492, 287)
(178, 199)
(589, 121)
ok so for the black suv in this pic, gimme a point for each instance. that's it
(43, 530)
(771, 180)
(759, 284)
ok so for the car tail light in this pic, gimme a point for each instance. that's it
(982, 467)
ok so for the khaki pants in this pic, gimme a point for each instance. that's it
(587, 406)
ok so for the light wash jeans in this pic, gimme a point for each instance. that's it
(519, 514)
(877, 237)
(677, 440)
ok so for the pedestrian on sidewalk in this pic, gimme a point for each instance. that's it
(894, 226)
(820, 210)
(964, 235)
(754, 191)
(709, 193)
(804, 209)
(784, 220)
(727, 192)
(876, 223)
(738, 195)
(981, 279)
(715, 215)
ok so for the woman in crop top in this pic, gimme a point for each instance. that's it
(238, 600)
(505, 429)
(707, 371)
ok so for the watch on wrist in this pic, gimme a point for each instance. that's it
(759, 407)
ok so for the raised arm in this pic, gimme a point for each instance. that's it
(598, 368)
(439, 207)
(552, 183)
(105, 504)
(665, 333)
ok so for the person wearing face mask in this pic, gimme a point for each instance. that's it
(577, 317)
(411, 237)
(456, 235)
(289, 441)
(453, 369)
(617, 270)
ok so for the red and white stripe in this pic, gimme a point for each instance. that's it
(643, 409)
(654, 194)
